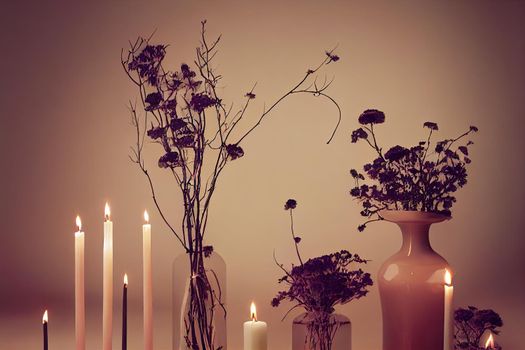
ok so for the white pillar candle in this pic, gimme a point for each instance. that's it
(448, 316)
(147, 284)
(255, 332)
(107, 282)
(80, 306)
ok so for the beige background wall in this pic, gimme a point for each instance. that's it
(65, 137)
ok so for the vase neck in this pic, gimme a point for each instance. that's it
(415, 238)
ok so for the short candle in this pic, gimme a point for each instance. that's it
(255, 332)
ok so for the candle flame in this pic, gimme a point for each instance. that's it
(490, 342)
(125, 279)
(448, 277)
(107, 212)
(79, 223)
(253, 312)
(44, 318)
(146, 216)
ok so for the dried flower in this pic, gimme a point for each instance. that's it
(371, 116)
(156, 132)
(358, 134)
(199, 102)
(153, 100)
(169, 160)
(290, 204)
(431, 126)
(409, 178)
(332, 57)
(234, 151)
(250, 95)
(396, 153)
(207, 250)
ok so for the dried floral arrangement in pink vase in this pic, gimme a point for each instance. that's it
(413, 187)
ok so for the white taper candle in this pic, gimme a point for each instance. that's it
(147, 284)
(448, 316)
(107, 282)
(80, 306)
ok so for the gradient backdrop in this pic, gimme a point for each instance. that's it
(65, 138)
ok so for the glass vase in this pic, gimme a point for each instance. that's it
(411, 286)
(182, 284)
(321, 331)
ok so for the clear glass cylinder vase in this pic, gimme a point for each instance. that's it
(411, 286)
(183, 280)
(312, 331)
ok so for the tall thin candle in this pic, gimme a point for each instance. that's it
(125, 313)
(107, 282)
(147, 284)
(447, 326)
(44, 323)
(80, 318)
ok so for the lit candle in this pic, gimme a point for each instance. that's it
(448, 330)
(44, 323)
(80, 318)
(255, 332)
(147, 284)
(107, 282)
(489, 344)
(125, 313)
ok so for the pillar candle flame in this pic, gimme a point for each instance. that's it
(489, 344)
(107, 212)
(146, 216)
(448, 278)
(253, 312)
(125, 279)
(44, 318)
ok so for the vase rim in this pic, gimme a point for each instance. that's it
(413, 216)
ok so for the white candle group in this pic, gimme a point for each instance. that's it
(255, 332)
(107, 282)
(448, 316)
(147, 285)
(80, 316)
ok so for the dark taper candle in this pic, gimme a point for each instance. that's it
(44, 323)
(125, 313)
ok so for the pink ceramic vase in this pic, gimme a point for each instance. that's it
(411, 286)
